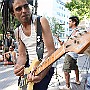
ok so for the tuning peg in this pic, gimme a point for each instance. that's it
(75, 41)
(78, 42)
(80, 34)
(85, 31)
(71, 38)
(75, 36)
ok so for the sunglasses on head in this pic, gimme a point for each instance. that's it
(19, 8)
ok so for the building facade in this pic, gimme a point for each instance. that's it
(84, 24)
(55, 8)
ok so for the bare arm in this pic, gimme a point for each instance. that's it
(48, 41)
(21, 59)
(14, 57)
(47, 36)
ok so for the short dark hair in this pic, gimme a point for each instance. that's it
(12, 1)
(11, 6)
(75, 19)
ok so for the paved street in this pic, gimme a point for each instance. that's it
(8, 81)
(59, 80)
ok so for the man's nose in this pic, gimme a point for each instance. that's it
(23, 9)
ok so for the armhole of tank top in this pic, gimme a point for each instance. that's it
(33, 30)
(34, 23)
(18, 34)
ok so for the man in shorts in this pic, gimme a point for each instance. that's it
(70, 62)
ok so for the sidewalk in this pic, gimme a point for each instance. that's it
(8, 80)
(59, 80)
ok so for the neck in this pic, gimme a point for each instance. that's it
(26, 24)
(73, 27)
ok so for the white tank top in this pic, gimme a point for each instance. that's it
(30, 43)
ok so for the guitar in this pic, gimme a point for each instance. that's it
(76, 44)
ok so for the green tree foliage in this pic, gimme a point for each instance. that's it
(55, 25)
(81, 8)
(0, 20)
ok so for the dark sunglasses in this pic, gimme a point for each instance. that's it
(19, 8)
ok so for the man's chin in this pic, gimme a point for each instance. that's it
(25, 20)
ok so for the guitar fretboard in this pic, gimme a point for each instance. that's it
(77, 44)
(50, 60)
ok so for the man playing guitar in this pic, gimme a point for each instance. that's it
(27, 41)
(70, 62)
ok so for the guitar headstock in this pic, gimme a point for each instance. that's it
(78, 43)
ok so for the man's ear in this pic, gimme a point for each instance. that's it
(74, 23)
(13, 14)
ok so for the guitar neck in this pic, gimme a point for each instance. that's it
(77, 44)
(50, 60)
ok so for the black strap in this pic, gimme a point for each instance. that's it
(40, 43)
(27, 58)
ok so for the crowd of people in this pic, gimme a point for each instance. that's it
(7, 50)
